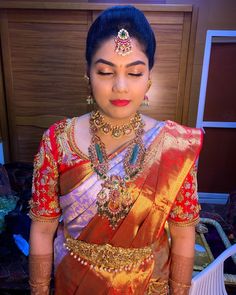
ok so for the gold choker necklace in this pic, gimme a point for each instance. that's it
(97, 122)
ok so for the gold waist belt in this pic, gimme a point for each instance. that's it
(107, 257)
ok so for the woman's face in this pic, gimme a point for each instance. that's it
(119, 83)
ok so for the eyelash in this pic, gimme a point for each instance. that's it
(136, 75)
(130, 74)
(104, 74)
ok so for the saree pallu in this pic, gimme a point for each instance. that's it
(171, 152)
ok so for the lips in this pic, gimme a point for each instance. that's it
(120, 102)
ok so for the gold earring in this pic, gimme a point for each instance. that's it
(86, 78)
(89, 99)
(145, 102)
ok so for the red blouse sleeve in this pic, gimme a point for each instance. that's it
(185, 211)
(44, 204)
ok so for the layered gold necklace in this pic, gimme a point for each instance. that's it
(97, 122)
(114, 201)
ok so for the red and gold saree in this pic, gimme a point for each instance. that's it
(165, 190)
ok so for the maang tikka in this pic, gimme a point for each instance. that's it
(123, 43)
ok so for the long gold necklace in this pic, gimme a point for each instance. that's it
(97, 122)
(114, 201)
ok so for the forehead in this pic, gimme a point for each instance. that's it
(106, 51)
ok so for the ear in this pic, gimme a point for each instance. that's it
(150, 74)
(88, 71)
(149, 83)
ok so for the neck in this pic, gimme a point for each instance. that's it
(116, 121)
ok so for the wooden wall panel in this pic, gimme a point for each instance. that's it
(3, 112)
(164, 91)
(44, 64)
(44, 58)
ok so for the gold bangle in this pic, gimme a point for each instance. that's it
(39, 218)
(156, 286)
(179, 284)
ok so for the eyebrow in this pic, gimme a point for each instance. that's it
(106, 62)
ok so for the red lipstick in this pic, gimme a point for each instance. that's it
(120, 102)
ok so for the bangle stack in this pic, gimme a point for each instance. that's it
(157, 287)
(181, 285)
(42, 288)
(41, 284)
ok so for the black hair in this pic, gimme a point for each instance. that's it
(111, 20)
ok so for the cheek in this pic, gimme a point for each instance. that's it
(95, 84)
(99, 88)
(101, 92)
(102, 89)
(140, 87)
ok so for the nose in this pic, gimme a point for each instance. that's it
(120, 85)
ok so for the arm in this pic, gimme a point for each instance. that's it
(182, 258)
(41, 255)
(183, 217)
(44, 212)
(42, 233)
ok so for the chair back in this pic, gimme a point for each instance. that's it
(210, 281)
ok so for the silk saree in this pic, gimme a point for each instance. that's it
(65, 186)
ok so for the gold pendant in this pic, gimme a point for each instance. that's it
(114, 201)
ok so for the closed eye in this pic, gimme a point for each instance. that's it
(104, 73)
(136, 75)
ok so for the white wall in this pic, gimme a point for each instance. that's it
(1, 154)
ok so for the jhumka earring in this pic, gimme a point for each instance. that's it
(89, 99)
(123, 43)
(145, 102)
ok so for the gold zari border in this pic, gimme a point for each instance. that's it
(71, 137)
(185, 223)
(42, 218)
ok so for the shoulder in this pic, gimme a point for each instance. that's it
(59, 126)
(62, 126)
(149, 122)
(83, 121)
(173, 127)
(182, 130)
(184, 136)
(52, 133)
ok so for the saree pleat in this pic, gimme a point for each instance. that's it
(126, 234)
(112, 283)
(172, 154)
(69, 273)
